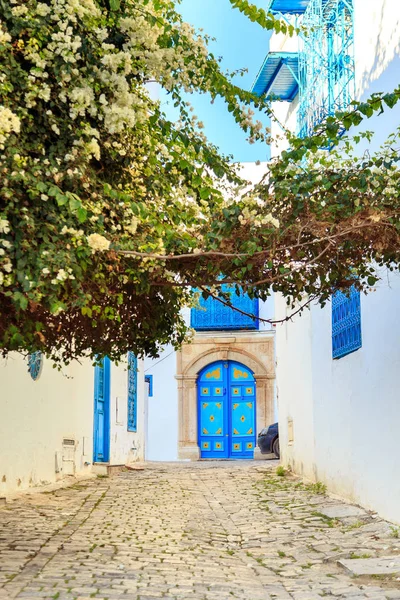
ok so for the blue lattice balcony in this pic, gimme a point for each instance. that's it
(213, 315)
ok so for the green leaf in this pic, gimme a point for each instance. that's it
(205, 193)
(115, 4)
(81, 214)
(61, 199)
(390, 99)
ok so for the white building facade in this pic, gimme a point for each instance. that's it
(338, 401)
(77, 421)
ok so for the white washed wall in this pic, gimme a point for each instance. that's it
(162, 441)
(346, 412)
(35, 417)
(126, 446)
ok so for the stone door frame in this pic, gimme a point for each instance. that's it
(187, 374)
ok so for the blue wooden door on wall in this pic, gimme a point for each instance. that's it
(101, 429)
(227, 402)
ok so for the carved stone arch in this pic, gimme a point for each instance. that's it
(255, 351)
(221, 353)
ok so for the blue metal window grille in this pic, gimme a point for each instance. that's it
(346, 323)
(132, 392)
(326, 62)
(35, 364)
(213, 315)
(149, 379)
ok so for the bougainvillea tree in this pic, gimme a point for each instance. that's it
(110, 214)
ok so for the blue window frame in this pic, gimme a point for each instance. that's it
(132, 392)
(346, 323)
(212, 314)
(149, 379)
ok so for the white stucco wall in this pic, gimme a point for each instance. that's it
(126, 446)
(345, 412)
(356, 405)
(35, 417)
(162, 441)
(377, 41)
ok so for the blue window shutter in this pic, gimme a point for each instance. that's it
(132, 392)
(212, 314)
(346, 323)
(149, 380)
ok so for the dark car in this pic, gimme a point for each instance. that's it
(268, 440)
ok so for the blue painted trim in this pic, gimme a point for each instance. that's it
(102, 454)
(346, 323)
(213, 315)
(149, 379)
(208, 392)
(132, 392)
(278, 77)
(35, 364)
(291, 7)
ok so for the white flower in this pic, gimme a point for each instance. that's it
(42, 9)
(132, 227)
(98, 242)
(7, 266)
(44, 197)
(45, 271)
(93, 148)
(17, 11)
(8, 122)
(4, 37)
(4, 226)
(61, 275)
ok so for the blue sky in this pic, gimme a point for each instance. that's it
(242, 44)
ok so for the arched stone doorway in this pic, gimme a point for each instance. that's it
(255, 354)
(226, 409)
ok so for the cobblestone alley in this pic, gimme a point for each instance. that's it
(211, 531)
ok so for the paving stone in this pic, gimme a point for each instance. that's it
(387, 565)
(205, 531)
(341, 511)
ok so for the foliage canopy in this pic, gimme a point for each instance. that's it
(110, 214)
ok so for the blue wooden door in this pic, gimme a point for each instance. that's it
(101, 429)
(226, 401)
